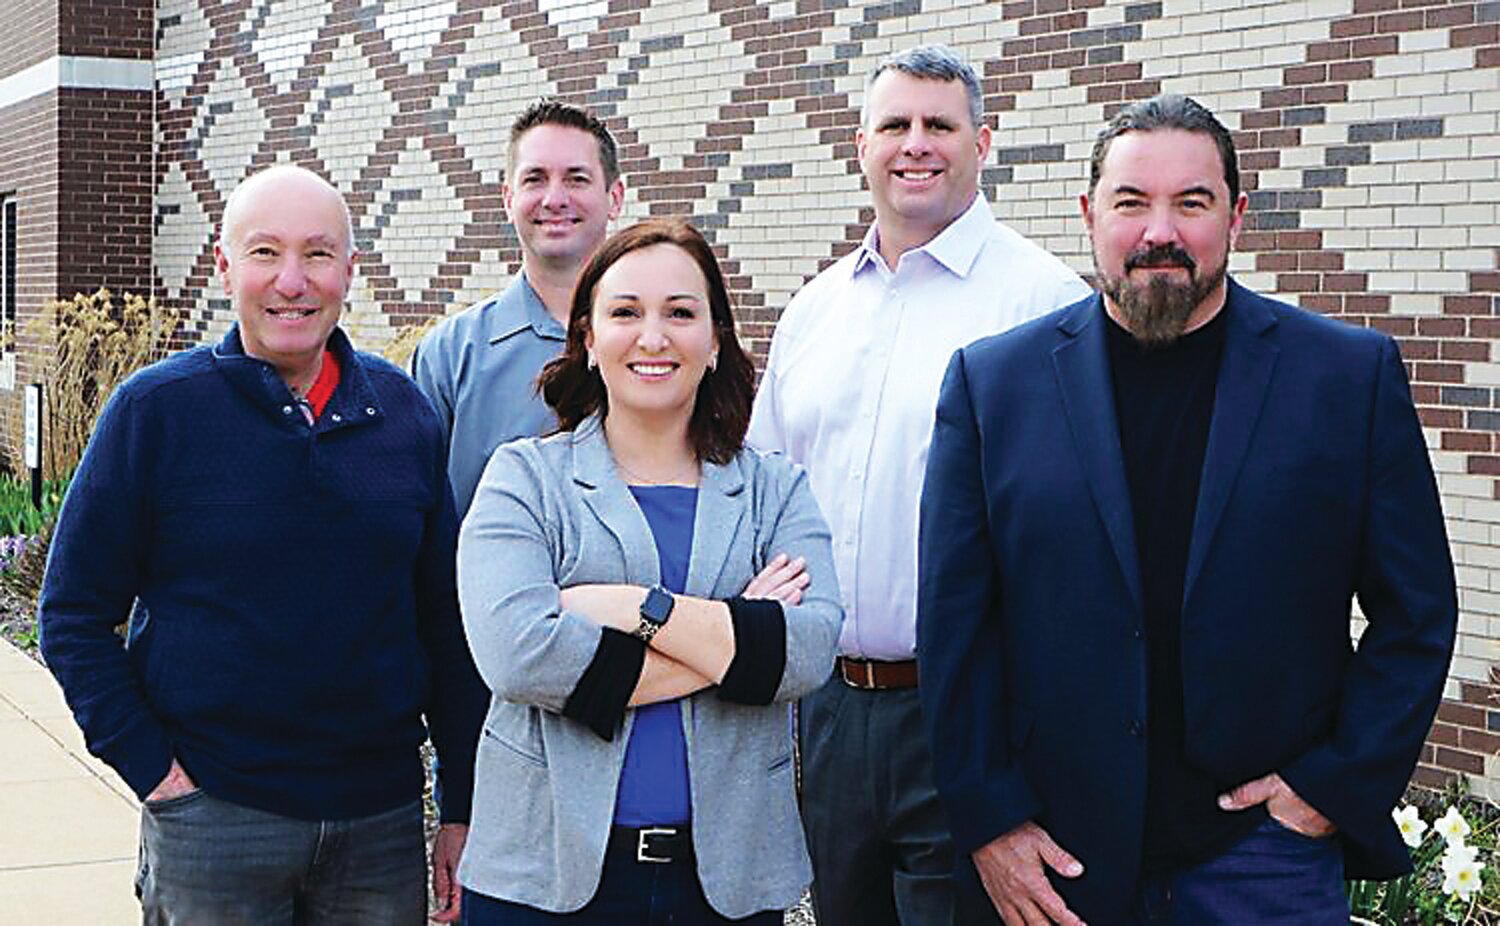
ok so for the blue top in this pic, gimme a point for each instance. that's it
(654, 787)
(299, 582)
(479, 370)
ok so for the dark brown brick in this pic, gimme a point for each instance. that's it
(1466, 762)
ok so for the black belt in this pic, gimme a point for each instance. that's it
(656, 844)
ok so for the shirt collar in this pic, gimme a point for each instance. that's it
(518, 307)
(956, 247)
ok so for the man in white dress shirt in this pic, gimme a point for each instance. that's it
(849, 392)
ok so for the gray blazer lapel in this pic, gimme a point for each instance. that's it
(606, 495)
(1250, 353)
(1082, 365)
(722, 501)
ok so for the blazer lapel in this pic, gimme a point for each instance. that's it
(1082, 365)
(1250, 353)
(607, 496)
(721, 506)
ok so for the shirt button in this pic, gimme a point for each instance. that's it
(1137, 633)
(1137, 728)
(286, 409)
(337, 417)
(369, 410)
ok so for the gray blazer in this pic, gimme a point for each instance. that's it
(553, 512)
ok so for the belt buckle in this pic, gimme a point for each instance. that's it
(642, 853)
(870, 674)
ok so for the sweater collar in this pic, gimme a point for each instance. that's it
(353, 401)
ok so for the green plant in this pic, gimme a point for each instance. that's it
(18, 517)
(1448, 883)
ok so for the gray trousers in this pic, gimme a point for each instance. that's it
(881, 851)
(204, 860)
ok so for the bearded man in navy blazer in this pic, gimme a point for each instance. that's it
(1145, 521)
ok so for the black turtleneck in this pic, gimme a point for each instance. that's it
(1164, 401)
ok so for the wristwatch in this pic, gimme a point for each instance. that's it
(654, 613)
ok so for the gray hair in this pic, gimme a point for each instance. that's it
(931, 62)
(1168, 111)
(229, 223)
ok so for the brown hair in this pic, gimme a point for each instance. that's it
(721, 411)
(556, 112)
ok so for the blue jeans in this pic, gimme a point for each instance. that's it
(204, 860)
(630, 893)
(1272, 877)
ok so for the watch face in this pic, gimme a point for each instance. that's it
(657, 606)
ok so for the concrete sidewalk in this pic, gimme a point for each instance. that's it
(67, 823)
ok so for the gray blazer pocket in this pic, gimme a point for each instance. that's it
(518, 750)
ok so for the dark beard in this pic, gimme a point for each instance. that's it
(1156, 314)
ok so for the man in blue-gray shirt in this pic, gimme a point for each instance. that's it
(479, 367)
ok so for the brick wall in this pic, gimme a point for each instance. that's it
(79, 160)
(104, 163)
(1368, 130)
(106, 28)
(30, 33)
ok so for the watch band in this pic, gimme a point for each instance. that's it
(654, 613)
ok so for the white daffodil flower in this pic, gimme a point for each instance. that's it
(1453, 827)
(1461, 870)
(1411, 825)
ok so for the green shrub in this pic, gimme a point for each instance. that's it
(17, 516)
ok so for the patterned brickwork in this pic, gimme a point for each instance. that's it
(1368, 130)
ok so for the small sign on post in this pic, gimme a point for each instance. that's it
(33, 441)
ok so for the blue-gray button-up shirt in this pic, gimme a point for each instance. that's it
(479, 370)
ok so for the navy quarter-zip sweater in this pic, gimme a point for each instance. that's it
(298, 611)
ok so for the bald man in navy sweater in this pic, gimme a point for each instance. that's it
(278, 505)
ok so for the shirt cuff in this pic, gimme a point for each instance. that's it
(599, 699)
(754, 675)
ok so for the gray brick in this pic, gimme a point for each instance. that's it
(1466, 395)
(1419, 128)
(1140, 12)
(1487, 12)
(765, 171)
(1273, 221)
(1339, 156)
(1107, 54)
(1262, 199)
(1131, 33)
(998, 175)
(1371, 131)
(661, 43)
(1484, 421)
(729, 205)
(1301, 199)
(1085, 38)
(1306, 115)
(741, 189)
(1315, 177)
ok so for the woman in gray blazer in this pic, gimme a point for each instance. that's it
(645, 597)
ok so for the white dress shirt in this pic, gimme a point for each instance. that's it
(851, 386)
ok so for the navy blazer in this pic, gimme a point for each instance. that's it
(1316, 488)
